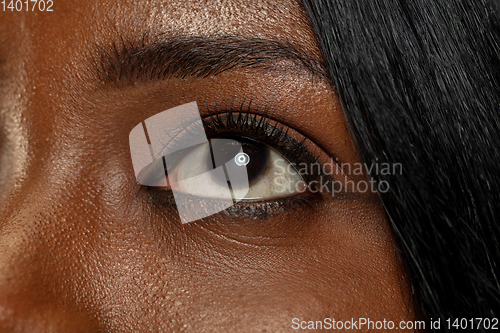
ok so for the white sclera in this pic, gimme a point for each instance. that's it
(191, 212)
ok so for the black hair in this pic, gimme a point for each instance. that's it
(419, 84)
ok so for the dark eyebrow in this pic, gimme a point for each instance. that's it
(195, 56)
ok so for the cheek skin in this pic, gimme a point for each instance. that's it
(82, 249)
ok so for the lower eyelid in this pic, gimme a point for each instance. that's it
(164, 200)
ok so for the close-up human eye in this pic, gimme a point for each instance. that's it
(249, 166)
(257, 156)
(231, 155)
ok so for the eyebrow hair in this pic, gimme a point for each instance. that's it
(196, 56)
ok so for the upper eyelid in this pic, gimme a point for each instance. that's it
(196, 127)
(263, 114)
(268, 120)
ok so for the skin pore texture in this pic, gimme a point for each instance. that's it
(83, 248)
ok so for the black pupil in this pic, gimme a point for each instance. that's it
(237, 153)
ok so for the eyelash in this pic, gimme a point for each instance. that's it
(244, 120)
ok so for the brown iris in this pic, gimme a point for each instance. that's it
(238, 152)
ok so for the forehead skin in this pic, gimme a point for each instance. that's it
(82, 249)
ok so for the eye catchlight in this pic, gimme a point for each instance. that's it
(156, 145)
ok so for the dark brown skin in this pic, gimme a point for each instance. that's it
(82, 246)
